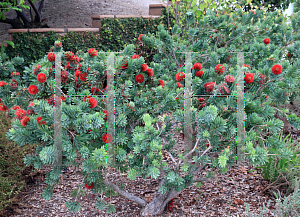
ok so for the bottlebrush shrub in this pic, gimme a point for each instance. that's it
(141, 105)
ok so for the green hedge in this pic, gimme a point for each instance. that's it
(115, 34)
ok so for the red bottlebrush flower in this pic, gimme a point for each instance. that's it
(135, 56)
(139, 78)
(15, 73)
(125, 65)
(58, 44)
(105, 112)
(25, 121)
(144, 67)
(209, 86)
(83, 76)
(51, 57)
(33, 89)
(220, 69)
(39, 120)
(289, 55)
(209, 36)
(77, 73)
(16, 107)
(249, 78)
(2, 107)
(233, 23)
(202, 105)
(229, 78)
(74, 58)
(86, 97)
(20, 113)
(64, 73)
(89, 187)
(89, 68)
(180, 76)
(277, 69)
(92, 52)
(150, 72)
(247, 66)
(68, 55)
(106, 138)
(161, 82)
(199, 73)
(30, 104)
(41, 77)
(93, 89)
(179, 85)
(201, 100)
(198, 66)
(267, 41)
(2, 83)
(176, 98)
(63, 98)
(93, 102)
(140, 37)
(262, 78)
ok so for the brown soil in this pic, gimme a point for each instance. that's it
(77, 13)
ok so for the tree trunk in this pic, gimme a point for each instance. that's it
(156, 206)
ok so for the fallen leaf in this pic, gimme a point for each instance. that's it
(239, 202)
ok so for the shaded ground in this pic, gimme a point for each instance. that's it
(77, 13)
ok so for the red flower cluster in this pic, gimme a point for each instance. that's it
(92, 52)
(20, 113)
(16, 107)
(89, 187)
(51, 57)
(33, 89)
(93, 89)
(36, 69)
(105, 112)
(229, 78)
(199, 73)
(39, 120)
(2, 83)
(179, 85)
(140, 37)
(262, 79)
(267, 41)
(249, 78)
(246, 66)
(106, 138)
(15, 73)
(125, 65)
(277, 69)
(220, 69)
(202, 105)
(2, 107)
(93, 102)
(209, 86)
(198, 66)
(144, 67)
(135, 56)
(83, 76)
(150, 72)
(25, 121)
(139, 78)
(161, 82)
(201, 100)
(68, 55)
(180, 76)
(41, 77)
(74, 58)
